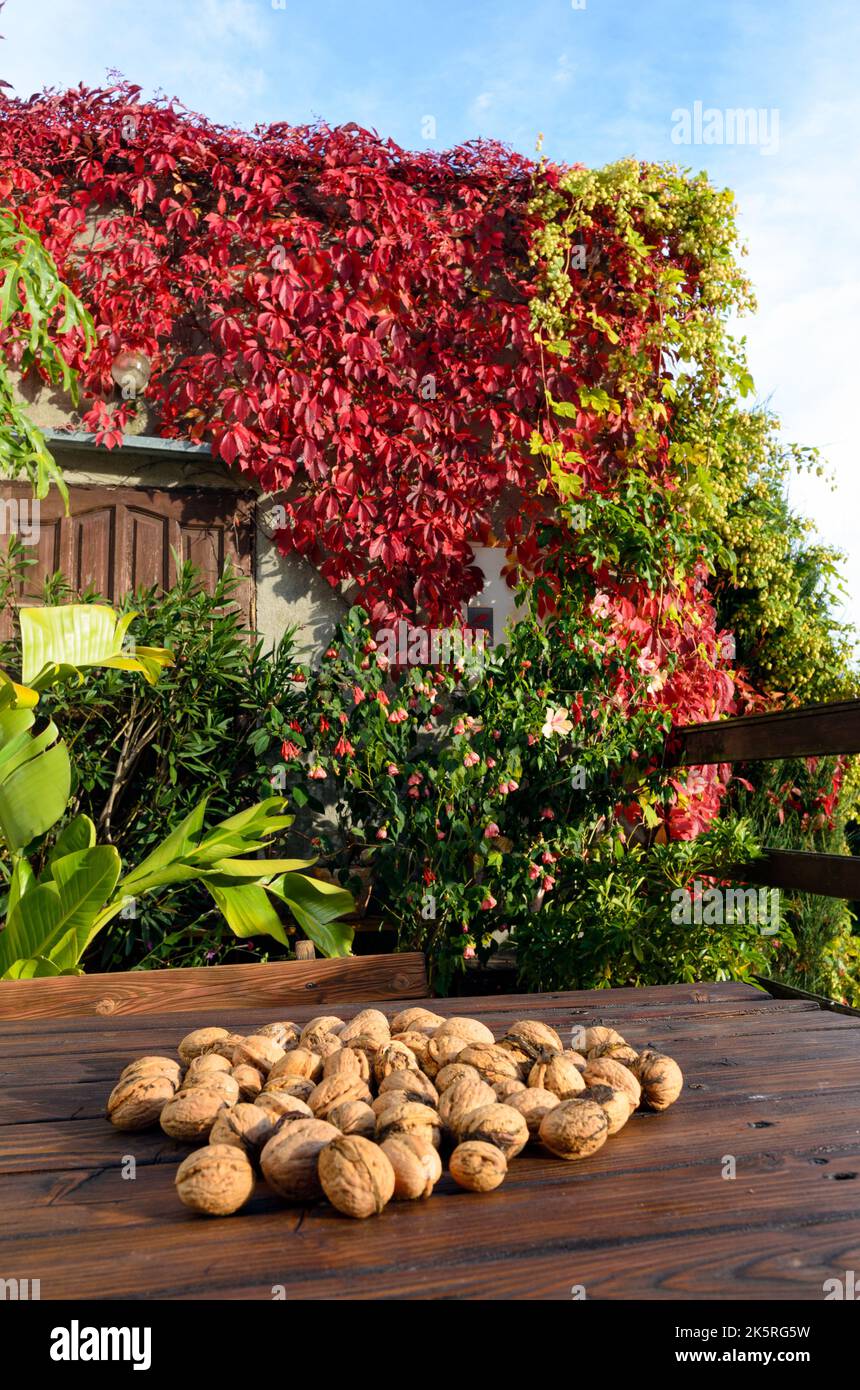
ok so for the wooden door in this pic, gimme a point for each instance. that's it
(115, 539)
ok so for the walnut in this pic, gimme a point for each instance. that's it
(202, 1068)
(370, 1022)
(388, 1100)
(336, 1090)
(469, 1029)
(137, 1102)
(285, 1034)
(356, 1176)
(323, 1023)
(460, 1099)
(221, 1081)
(414, 1085)
(533, 1103)
(191, 1113)
(496, 1124)
(595, 1037)
(478, 1166)
(202, 1040)
(259, 1052)
(347, 1061)
(577, 1058)
(289, 1160)
(660, 1077)
(368, 1043)
(246, 1127)
(491, 1062)
(606, 1072)
(533, 1038)
(454, 1071)
(409, 1117)
(416, 1042)
(299, 1086)
(441, 1051)
(559, 1075)
(505, 1089)
(249, 1081)
(418, 1019)
(282, 1108)
(298, 1063)
(574, 1129)
(216, 1180)
(615, 1104)
(353, 1117)
(393, 1056)
(621, 1052)
(417, 1166)
(227, 1046)
(153, 1066)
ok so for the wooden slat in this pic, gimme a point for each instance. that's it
(774, 1083)
(815, 731)
(802, 871)
(273, 987)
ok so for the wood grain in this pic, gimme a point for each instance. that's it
(774, 1084)
(271, 987)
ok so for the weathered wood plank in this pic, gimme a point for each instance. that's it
(571, 1216)
(802, 871)
(814, 731)
(208, 989)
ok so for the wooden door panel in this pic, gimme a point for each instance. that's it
(92, 551)
(117, 538)
(148, 549)
(204, 546)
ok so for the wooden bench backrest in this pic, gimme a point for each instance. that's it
(272, 988)
(814, 731)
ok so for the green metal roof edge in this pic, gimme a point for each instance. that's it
(140, 443)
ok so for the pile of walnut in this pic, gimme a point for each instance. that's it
(358, 1111)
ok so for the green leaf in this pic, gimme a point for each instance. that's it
(315, 906)
(55, 919)
(247, 909)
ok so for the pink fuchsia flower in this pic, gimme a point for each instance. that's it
(547, 813)
(534, 871)
(440, 834)
(531, 739)
(459, 727)
(343, 748)
(548, 857)
(393, 770)
(331, 653)
(381, 697)
(471, 759)
(413, 792)
(413, 779)
(289, 751)
(365, 663)
(492, 831)
(382, 661)
(548, 883)
(369, 646)
(324, 725)
(491, 762)
(299, 677)
(382, 833)
(488, 904)
(357, 694)
(512, 785)
(557, 722)
(469, 953)
(317, 773)
(397, 716)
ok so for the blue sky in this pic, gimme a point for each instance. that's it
(598, 82)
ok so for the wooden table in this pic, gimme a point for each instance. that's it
(773, 1084)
